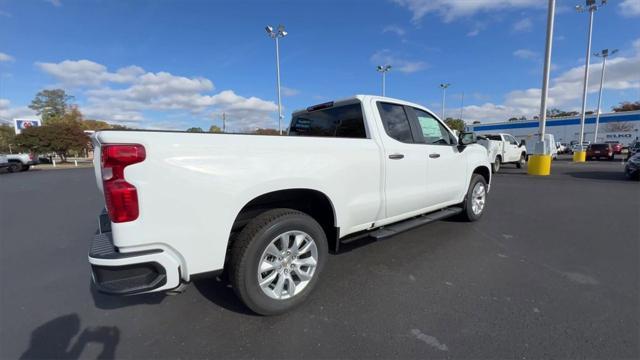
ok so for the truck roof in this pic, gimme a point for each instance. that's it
(363, 98)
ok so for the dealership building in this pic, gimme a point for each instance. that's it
(618, 126)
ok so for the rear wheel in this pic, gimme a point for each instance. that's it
(24, 168)
(14, 167)
(495, 167)
(277, 259)
(476, 199)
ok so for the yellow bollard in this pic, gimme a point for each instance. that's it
(579, 156)
(539, 165)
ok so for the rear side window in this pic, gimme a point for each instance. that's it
(396, 122)
(340, 121)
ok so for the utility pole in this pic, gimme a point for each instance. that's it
(383, 69)
(444, 87)
(224, 122)
(604, 54)
(461, 105)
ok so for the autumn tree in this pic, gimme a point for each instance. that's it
(7, 139)
(59, 137)
(94, 125)
(51, 104)
(266, 132)
(455, 124)
(215, 129)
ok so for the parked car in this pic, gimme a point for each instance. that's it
(503, 149)
(616, 146)
(599, 151)
(4, 162)
(633, 149)
(561, 147)
(20, 162)
(575, 145)
(632, 168)
(266, 209)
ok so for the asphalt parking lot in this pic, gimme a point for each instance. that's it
(551, 271)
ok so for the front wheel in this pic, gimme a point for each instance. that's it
(522, 162)
(277, 259)
(14, 167)
(476, 199)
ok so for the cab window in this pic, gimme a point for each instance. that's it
(396, 122)
(433, 131)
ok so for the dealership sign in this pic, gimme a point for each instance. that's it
(21, 124)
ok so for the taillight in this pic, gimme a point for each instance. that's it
(120, 196)
(31, 156)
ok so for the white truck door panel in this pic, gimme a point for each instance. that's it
(446, 166)
(405, 161)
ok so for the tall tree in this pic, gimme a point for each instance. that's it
(89, 124)
(51, 104)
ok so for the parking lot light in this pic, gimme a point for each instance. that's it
(383, 69)
(444, 87)
(277, 34)
(604, 54)
(540, 160)
(591, 7)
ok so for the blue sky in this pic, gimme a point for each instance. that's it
(175, 64)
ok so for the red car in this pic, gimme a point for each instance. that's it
(617, 147)
(597, 151)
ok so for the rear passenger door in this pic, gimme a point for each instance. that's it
(405, 157)
(511, 149)
(446, 165)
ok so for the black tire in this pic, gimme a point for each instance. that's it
(495, 167)
(248, 247)
(467, 211)
(522, 162)
(14, 167)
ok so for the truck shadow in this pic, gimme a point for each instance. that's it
(219, 291)
(53, 339)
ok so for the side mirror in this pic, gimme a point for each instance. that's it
(466, 138)
(522, 143)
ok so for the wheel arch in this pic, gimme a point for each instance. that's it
(312, 202)
(484, 171)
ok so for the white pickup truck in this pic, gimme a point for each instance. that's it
(19, 162)
(267, 209)
(503, 148)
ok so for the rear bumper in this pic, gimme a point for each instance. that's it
(127, 273)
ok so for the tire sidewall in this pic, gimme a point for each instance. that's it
(250, 291)
(470, 215)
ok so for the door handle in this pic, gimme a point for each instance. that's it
(396, 156)
(434, 156)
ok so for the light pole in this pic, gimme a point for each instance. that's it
(604, 54)
(383, 69)
(444, 87)
(277, 34)
(591, 7)
(540, 160)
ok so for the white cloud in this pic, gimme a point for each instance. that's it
(75, 73)
(123, 96)
(452, 9)
(473, 32)
(565, 91)
(394, 29)
(287, 91)
(630, 8)
(525, 54)
(5, 57)
(56, 3)
(8, 113)
(385, 57)
(523, 25)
